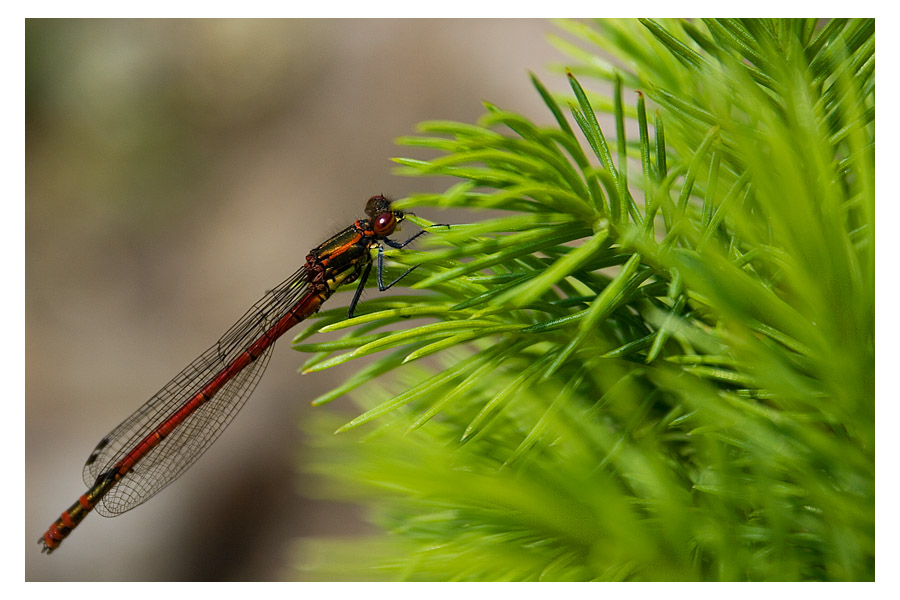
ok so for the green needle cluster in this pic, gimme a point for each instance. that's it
(653, 359)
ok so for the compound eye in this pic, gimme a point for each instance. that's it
(385, 224)
(377, 205)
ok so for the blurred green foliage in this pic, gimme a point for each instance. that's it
(659, 363)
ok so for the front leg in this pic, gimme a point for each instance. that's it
(399, 245)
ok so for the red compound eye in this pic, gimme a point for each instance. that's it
(385, 224)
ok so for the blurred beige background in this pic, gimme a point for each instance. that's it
(175, 170)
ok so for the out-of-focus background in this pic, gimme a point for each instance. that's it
(175, 170)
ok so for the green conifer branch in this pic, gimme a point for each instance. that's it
(659, 363)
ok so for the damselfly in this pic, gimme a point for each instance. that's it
(164, 437)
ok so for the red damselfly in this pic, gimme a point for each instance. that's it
(156, 444)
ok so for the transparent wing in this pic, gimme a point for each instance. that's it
(174, 454)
